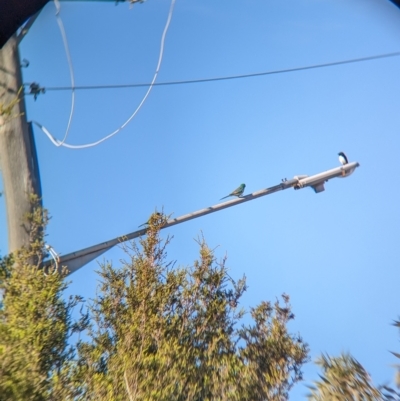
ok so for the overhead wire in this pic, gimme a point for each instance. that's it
(225, 78)
(57, 142)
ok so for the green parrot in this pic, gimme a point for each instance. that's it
(148, 221)
(237, 192)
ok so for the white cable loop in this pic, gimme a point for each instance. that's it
(57, 142)
(55, 257)
(71, 70)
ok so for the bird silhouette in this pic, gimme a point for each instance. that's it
(343, 158)
(148, 221)
(237, 192)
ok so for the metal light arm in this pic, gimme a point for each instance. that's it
(75, 260)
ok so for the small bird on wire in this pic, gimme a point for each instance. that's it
(148, 221)
(343, 158)
(237, 192)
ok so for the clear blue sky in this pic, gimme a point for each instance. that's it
(335, 253)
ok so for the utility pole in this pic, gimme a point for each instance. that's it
(18, 159)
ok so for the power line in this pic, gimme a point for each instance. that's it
(226, 78)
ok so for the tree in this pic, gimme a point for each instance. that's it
(344, 378)
(36, 362)
(168, 333)
(272, 359)
(389, 393)
(158, 331)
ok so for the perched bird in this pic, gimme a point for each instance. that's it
(148, 221)
(237, 192)
(343, 158)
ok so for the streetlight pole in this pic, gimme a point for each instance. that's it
(75, 260)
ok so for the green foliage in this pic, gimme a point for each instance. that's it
(343, 379)
(35, 323)
(397, 324)
(271, 353)
(389, 393)
(158, 331)
(167, 333)
(6, 109)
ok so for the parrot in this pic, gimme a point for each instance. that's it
(237, 192)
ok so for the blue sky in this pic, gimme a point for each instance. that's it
(335, 253)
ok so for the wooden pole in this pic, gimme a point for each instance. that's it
(18, 158)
